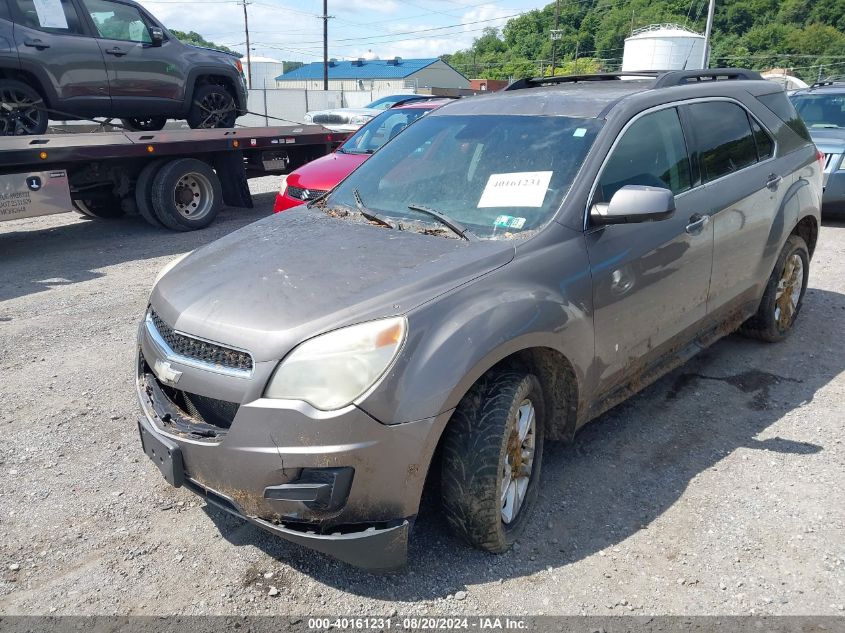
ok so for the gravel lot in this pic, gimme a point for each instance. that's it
(718, 490)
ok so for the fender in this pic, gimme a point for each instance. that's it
(540, 300)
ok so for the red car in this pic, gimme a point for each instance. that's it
(311, 181)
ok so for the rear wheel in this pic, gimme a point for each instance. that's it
(186, 194)
(22, 110)
(148, 124)
(492, 454)
(783, 296)
(144, 192)
(212, 106)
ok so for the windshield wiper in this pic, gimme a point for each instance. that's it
(372, 216)
(458, 228)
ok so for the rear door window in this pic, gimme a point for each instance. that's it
(765, 144)
(725, 140)
(652, 152)
(52, 16)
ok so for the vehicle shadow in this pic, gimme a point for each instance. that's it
(623, 471)
(75, 249)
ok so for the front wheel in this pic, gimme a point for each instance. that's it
(783, 296)
(212, 106)
(492, 454)
(22, 110)
(148, 124)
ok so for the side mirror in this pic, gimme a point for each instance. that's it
(635, 203)
(156, 36)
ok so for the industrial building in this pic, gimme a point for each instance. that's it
(375, 75)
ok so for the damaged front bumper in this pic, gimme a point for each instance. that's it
(341, 482)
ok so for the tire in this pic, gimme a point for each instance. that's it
(186, 194)
(148, 124)
(477, 449)
(212, 106)
(22, 110)
(102, 208)
(782, 299)
(144, 193)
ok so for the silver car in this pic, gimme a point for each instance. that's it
(822, 107)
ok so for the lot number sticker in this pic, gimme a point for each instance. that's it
(50, 13)
(518, 189)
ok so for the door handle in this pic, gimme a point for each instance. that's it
(773, 181)
(36, 44)
(117, 52)
(697, 222)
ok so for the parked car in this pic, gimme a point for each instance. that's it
(108, 58)
(822, 107)
(350, 119)
(311, 181)
(502, 272)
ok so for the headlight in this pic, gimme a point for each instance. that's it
(331, 370)
(169, 266)
(360, 119)
(308, 118)
(283, 185)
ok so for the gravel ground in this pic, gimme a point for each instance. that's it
(718, 490)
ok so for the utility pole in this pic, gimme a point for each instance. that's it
(248, 56)
(705, 56)
(325, 44)
(554, 41)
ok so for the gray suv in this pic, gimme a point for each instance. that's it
(66, 59)
(500, 273)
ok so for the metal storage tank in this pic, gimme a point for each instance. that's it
(264, 71)
(663, 47)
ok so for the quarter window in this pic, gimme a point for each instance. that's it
(652, 152)
(116, 21)
(53, 16)
(726, 143)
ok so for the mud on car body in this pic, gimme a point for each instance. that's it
(500, 273)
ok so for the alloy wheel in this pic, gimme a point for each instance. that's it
(19, 113)
(519, 461)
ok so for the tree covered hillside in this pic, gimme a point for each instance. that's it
(798, 34)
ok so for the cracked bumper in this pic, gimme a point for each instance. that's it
(272, 445)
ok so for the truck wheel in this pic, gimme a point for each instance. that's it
(148, 124)
(212, 106)
(21, 109)
(783, 296)
(186, 194)
(492, 454)
(100, 207)
(144, 193)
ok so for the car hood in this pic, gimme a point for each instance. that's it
(347, 112)
(828, 140)
(325, 172)
(283, 279)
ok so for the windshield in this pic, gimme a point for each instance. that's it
(497, 175)
(380, 130)
(821, 110)
(387, 102)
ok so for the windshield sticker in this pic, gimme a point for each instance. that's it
(50, 13)
(518, 189)
(509, 222)
(581, 131)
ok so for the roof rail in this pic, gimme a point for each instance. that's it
(533, 82)
(681, 77)
(826, 82)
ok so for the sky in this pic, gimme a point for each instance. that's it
(291, 30)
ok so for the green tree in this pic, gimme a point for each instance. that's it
(195, 39)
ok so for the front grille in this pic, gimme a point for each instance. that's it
(329, 118)
(202, 351)
(306, 195)
(219, 413)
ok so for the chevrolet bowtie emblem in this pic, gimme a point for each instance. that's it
(166, 373)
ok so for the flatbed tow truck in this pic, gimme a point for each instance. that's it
(176, 179)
